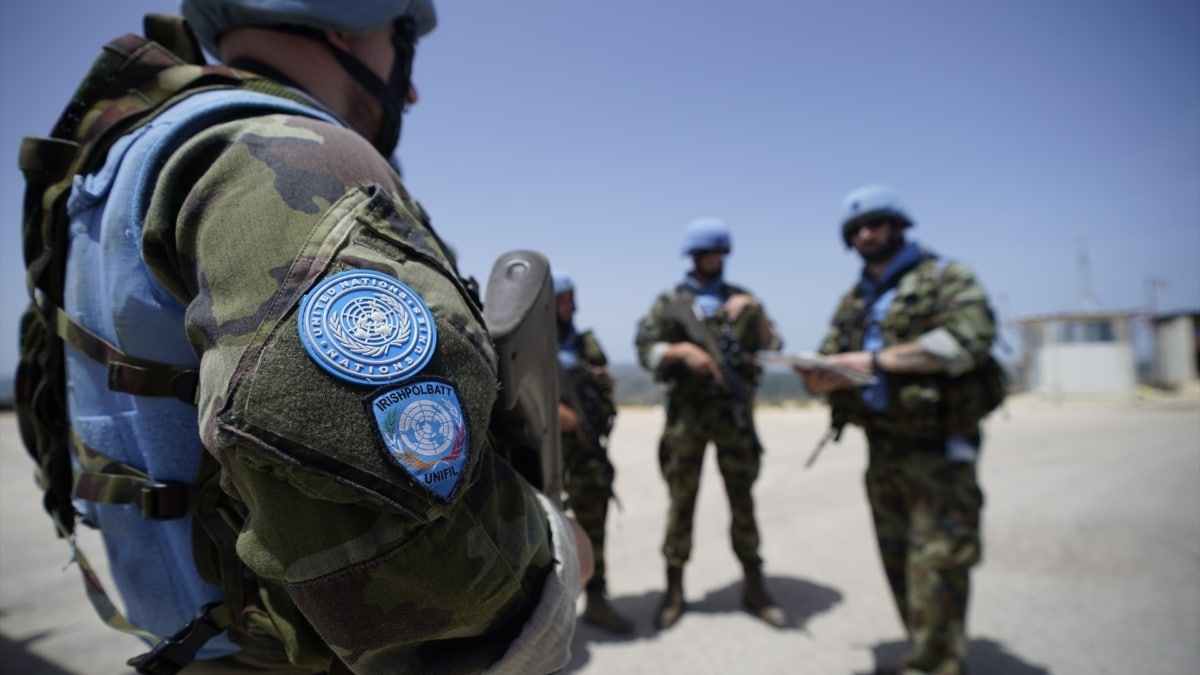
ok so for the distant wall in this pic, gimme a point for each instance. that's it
(1176, 351)
(1080, 354)
(1094, 368)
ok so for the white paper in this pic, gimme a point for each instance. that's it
(814, 361)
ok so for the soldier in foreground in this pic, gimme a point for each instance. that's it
(586, 416)
(279, 387)
(700, 339)
(922, 325)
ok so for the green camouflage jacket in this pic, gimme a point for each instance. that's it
(657, 329)
(933, 295)
(363, 548)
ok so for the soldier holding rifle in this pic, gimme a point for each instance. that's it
(586, 413)
(700, 339)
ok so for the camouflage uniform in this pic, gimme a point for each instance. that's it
(353, 555)
(590, 474)
(699, 411)
(921, 479)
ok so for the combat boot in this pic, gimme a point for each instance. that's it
(599, 613)
(758, 602)
(672, 603)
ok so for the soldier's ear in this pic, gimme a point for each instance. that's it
(337, 38)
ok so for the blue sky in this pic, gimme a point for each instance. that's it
(1019, 133)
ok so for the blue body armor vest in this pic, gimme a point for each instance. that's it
(110, 291)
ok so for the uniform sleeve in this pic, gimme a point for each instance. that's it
(591, 350)
(651, 340)
(966, 324)
(346, 388)
(776, 341)
(544, 643)
(830, 344)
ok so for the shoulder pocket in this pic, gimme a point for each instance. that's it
(335, 392)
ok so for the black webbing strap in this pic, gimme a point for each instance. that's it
(171, 654)
(126, 373)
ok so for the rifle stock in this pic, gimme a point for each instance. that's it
(518, 309)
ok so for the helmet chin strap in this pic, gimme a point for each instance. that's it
(387, 136)
(390, 94)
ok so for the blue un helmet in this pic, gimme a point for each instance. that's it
(868, 203)
(210, 18)
(562, 283)
(412, 18)
(707, 234)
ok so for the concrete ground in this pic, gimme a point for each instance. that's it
(1091, 555)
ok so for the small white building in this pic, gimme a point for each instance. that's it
(1079, 354)
(1176, 349)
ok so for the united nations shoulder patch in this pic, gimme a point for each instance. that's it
(367, 327)
(423, 431)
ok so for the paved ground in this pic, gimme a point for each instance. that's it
(1092, 555)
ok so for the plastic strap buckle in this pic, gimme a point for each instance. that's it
(163, 500)
(173, 653)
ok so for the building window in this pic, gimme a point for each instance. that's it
(1098, 330)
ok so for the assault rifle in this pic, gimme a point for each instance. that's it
(589, 417)
(518, 309)
(834, 433)
(680, 310)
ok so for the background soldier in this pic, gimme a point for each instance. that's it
(923, 326)
(586, 416)
(700, 339)
(356, 517)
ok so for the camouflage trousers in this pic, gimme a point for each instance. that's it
(926, 511)
(688, 431)
(589, 480)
